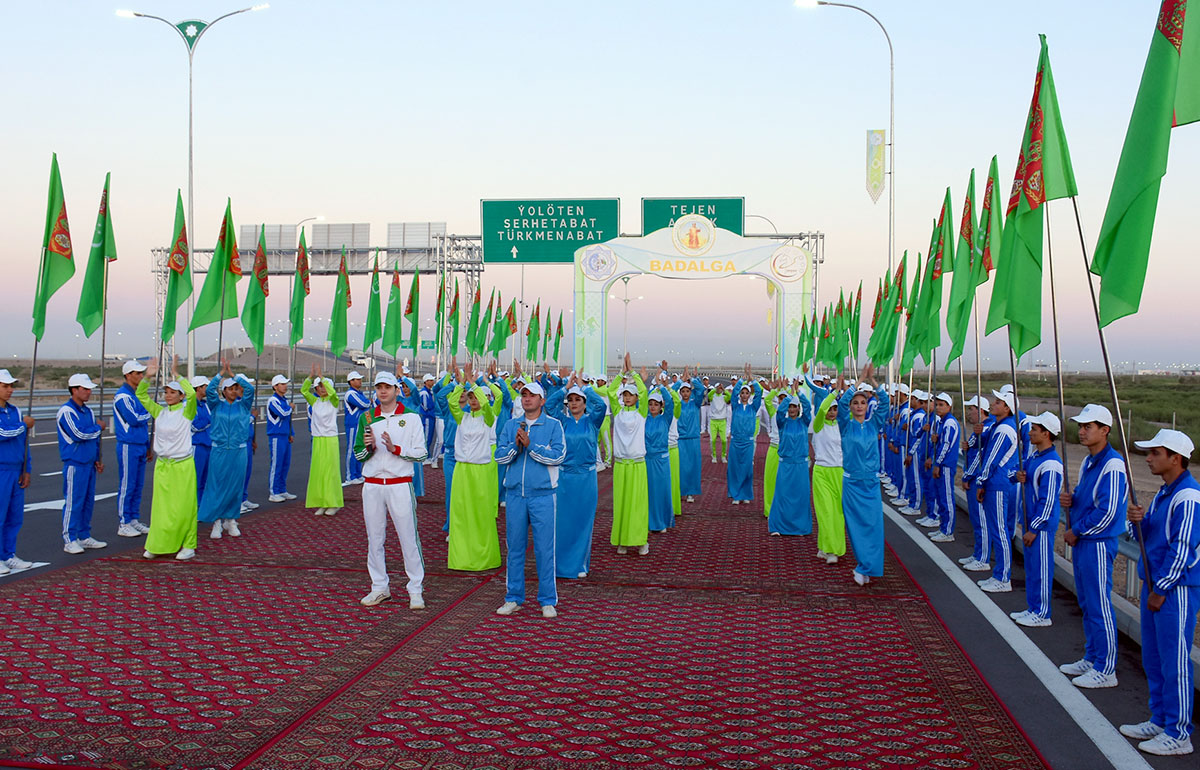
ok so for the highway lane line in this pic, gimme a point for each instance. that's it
(1103, 733)
(56, 505)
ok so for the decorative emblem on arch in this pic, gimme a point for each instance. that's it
(599, 262)
(693, 235)
(789, 263)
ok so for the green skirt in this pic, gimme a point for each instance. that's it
(827, 504)
(325, 474)
(631, 503)
(676, 498)
(769, 471)
(173, 511)
(474, 504)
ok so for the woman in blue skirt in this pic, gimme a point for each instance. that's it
(658, 459)
(861, 500)
(229, 399)
(581, 413)
(743, 427)
(691, 398)
(790, 508)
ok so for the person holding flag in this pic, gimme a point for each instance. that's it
(133, 450)
(79, 435)
(943, 466)
(324, 478)
(280, 435)
(201, 439)
(1043, 480)
(997, 491)
(229, 400)
(16, 467)
(357, 404)
(981, 422)
(173, 511)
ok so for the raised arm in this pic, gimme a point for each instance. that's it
(643, 406)
(306, 391)
(677, 409)
(143, 395)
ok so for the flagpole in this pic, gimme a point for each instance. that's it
(1112, 389)
(962, 392)
(103, 335)
(1062, 410)
(1012, 365)
(221, 321)
(254, 414)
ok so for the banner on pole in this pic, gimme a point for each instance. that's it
(875, 163)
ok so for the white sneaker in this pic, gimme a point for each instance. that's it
(735, 502)
(643, 549)
(233, 528)
(925, 521)
(289, 496)
(776, 534)
(581, 575)
(821, 555)
(1030, 620)
(900, 501)
(1164, 745)
(416, 602)
(830, 558)
(347, 482)
(360, 480)
(73, 547)
(246, 508)
(216, 530)
(375, 597)
(4, 570)
(503, 503)
(16, 563)
(507, 608)
(1019, 614)
(319, 512)
(908, 510)
(966, 560)
(276, 499)
(250, 505)
(941, 537)
(139, 526)
(994, 586)
(1094, 680)
(977, 566)
(714, 461)
(725, 460)
(331, 511)
(92, 543)
(1081, 666)
(185, 554)
(860, 578)
(145, 555)
(548, 611)
(622, 550)
(691, 499)
(127, 530)
(1142, 730)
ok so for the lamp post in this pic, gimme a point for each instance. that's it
(291, 298)
(627, 299)
(891, 139)
(190, 31)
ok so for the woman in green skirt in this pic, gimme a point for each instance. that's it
(631, 492)
(173, 510)
(474, 543)
(771, 467)
(324, 469)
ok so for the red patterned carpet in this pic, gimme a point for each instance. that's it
(721, 648)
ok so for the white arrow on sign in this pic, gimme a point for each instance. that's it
(514, 252)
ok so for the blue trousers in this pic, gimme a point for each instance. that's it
(12, 510)
(927, 491)
(1167, 637)
(131, 474)
(912, 484)
(942, 496)
(522, 515)
(1039, 572)
(500, 473)
(429, 424)
(1093, 560)
(79, 498)
(281, 462)
(448, 476)
(1001, 523)
(979, 525)
(249, 468)
(353, 466)
(201, 459)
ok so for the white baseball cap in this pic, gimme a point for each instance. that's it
(1007, 397)
(80, 381)
(385, 378)
(919, 394)
(944, 396)
(627, 388)
(357, 375)
(979, 402)
(199, 381)
(279, 379)
(132, 366)
(1094, 413)
(685, 384)
(227, 382)
(904, 389)
(428, 378)
(6, 378)
(655, 396)
(533, 388)
(1177, 441)
(174, 385)
(704, 378)
(865, 387)
(577, 391)
(818, 378)
(1047, 420)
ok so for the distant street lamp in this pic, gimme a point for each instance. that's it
(627, 299)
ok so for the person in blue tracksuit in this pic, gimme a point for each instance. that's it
(280, 435)
(132, 423)
(658, 459)
(691, 400)
(997, 491)
(791, 507)
(79, 449)
(1095, 508)
(862, 502)
(975, 445)
(251, 448)
(898, 445)
(229, 399)
(428, 415)
(1170, 594)
(357, 404)
(914, 449)
(943, 466)
(581, 412)
(1042, 479)
(743, 425)
(449, 431)
(16, 468)
(201, 440)
(533, 446)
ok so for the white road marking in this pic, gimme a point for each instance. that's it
(52, 473)
(16, 572)
(56, 505)
(1095, 725)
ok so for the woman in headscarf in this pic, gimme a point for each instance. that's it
(861, 500)
(660, 513)
(631, 512)
(792, 504)
(324, 468)
(743, 424)
(229, 400)
(474, 542)
(173, 506)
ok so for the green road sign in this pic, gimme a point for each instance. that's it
(517, 231)
(726, 213)
(428, 344)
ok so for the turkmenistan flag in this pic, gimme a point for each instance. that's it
(499, 338)
(1043, 173)
(412, 312)
(454, 321)
(392, 332)
(962, 288)
(94, 296)
(341, 303)
(1169, 96)
(856, 322)
(801, 346)
(218, 295)
(991, 228)
(506, 326)
(57, 261)
(439, 310)
(254, 311)
(911, 333)
(532, 328)
(558, 335)
(942, 262)
(179, 277)
(546, 335)
(300, 291)
(373, 331)
(887, 346)
(485, 331)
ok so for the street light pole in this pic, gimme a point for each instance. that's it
(190, 31)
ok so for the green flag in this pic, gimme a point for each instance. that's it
(472, 340)
(839, 330)
(856, 322)
(179, 277)
(373, 331)
(300, 292)
(909, 353)
(412, 312)
(531, 333)
(392, 332)
(991, 228)
(485, 335)
(218, 295)
(558, 335)
(887, 348)
(93, 297)
(57, 263)
(801, 356)
(1044, 173)
(254, 311)
(962, 288)
(941, 262)
(341, 303)
(546, 336)
(454, 321)
(1168, 96)
(499, 338)
(506, 326)
(439, 310)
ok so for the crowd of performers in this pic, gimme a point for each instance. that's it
(524, 443)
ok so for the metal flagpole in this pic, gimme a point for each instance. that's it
(962, 392)
(1012, 363)
(32, 370)
(257, 388)
(1062, 411)
(103, 335)
(1112, 389)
